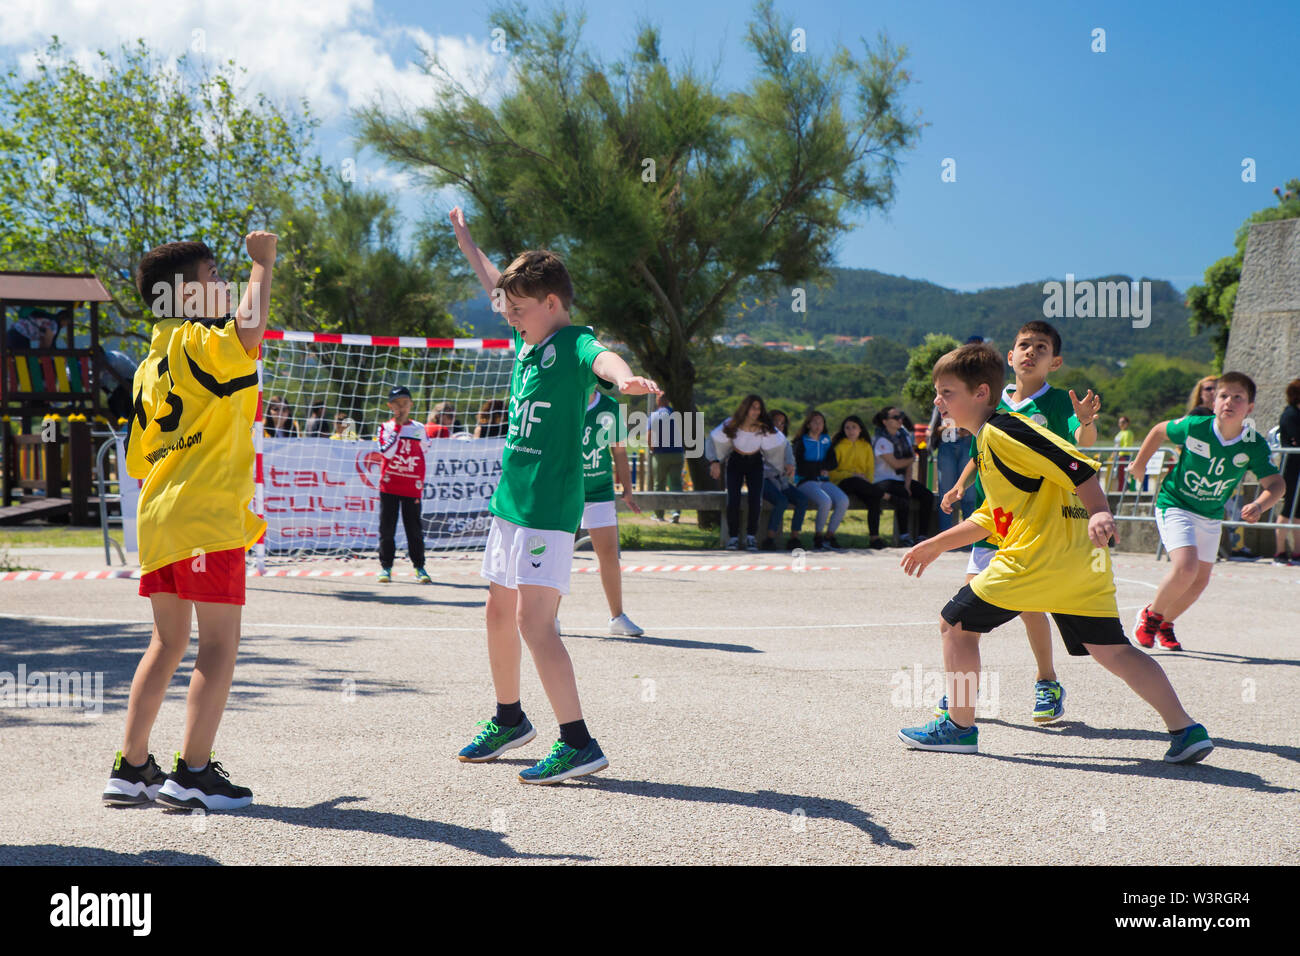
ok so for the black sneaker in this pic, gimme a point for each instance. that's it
(877, 543)
(793, 543)
(209, 789)
(130, 786)
(818, 541)
(769, 544)
(833, 543)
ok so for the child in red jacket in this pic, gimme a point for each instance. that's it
(406, 448)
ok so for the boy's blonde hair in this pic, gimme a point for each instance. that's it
(535, 274)
(973, 365)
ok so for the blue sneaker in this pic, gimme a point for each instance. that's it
(1191, 745)
(941, 709)
(494, 740)
(422, 576)
(564, 762)
(385, 576)
(942, 735)
(1049, 701)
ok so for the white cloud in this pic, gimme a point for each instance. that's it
(335, 53)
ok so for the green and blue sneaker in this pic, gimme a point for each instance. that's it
(1049, 701)
(494, 740)
(941, 708)
(385, 576)
(942, 735)
(1190, 745)
(564, 762)
(422, 576)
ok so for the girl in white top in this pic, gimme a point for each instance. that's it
(740, 442)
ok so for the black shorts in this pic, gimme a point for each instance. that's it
(973, 613)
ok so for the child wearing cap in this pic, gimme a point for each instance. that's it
(405, 446)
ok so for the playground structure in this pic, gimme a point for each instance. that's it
(49, 399)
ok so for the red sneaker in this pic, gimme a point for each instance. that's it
(1167, 639)
(1148, 626)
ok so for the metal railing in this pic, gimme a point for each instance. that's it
(103, 482)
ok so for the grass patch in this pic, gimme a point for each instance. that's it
(641, 532)
(50, 536)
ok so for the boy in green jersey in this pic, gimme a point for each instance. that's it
(538, 503)
(1215, 452)
(1035, 354)
(604, 454)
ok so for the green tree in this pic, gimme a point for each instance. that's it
(344, 267)
(100, 166)
(919, 387)
(665, 196)
(1210, 305)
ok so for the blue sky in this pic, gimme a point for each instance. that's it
(1067, 160)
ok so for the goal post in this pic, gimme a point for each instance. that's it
(322, 398)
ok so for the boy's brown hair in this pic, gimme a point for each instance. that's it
(974, 365)
(1241, 379)
(161, 266)
(535, 274)
(1039, 327)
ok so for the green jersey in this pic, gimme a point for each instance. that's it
(1210, 468)
(1049, 407)
(599, 431)
(541, 466)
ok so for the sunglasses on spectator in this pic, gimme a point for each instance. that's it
(897, 418)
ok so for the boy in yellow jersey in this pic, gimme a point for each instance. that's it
(1046, 505)
(1035, 354)
(195, 398)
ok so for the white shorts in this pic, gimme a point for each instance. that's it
(516, 555)
(1180, 528)
(599, 514)
(979, 559)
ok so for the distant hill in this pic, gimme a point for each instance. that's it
(864, 302)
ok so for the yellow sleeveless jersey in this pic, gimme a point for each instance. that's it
(1045, 560)
(195, 397)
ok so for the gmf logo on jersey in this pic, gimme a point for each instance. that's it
(524, 415)
(536, 548)
(548, 357)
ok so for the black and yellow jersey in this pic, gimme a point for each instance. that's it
(1045, 560)
(195, 398)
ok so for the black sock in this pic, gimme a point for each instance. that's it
(509, 715)
(575, 734)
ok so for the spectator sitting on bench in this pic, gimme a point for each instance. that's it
(740, 442)
(894, 458)
(814, 459)
(854, 461)
(778, 487)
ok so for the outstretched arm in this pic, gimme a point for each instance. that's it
(488, 274)
(1153, 441)
(610, 366)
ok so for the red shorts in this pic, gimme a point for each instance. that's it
(217, 578)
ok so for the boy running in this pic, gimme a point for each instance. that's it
(406, 447)
(191, 443)
(538, 503)
(1035, 354)
(1047, 507)
(1214, 454)
(603, 454)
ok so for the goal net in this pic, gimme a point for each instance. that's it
(323, 398)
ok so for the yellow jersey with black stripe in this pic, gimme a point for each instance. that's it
(1045, 560)
(195, 398)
